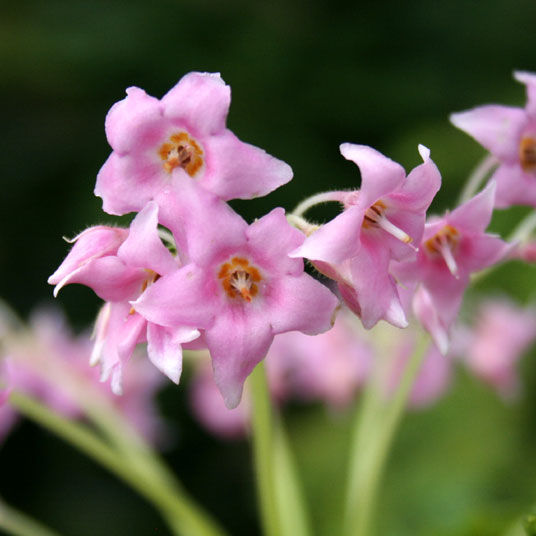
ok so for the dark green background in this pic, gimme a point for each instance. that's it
(305, 76)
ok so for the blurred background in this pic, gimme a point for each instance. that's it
(305, 77)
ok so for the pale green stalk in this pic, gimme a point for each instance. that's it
(16, 523)
(375, 429)
(476, 178)
(317, 199)
(290, 500)
(263, 442)
(182, 514)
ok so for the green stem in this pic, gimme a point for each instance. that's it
(477, 176)
(375, 430)
(16, 523)
(263, 442)
(181, 513)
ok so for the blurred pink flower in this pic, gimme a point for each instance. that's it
(497, 341)
(47, 362)
(509, 134)
(185, 131)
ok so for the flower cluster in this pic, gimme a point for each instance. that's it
(190, 273)
(213, 281)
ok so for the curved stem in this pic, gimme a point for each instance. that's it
(477, 176)
(317, 199)
(181, 513)
(374, 434)
(16, 523)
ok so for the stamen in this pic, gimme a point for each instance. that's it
(527, 154)
(239, 279)
(374, 216)
(182, 151)
(443, 243)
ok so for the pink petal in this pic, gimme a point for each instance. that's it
(200, 101)
(109, 278)
(379, 175)
(514, 186)
(300, 303)
(185, 297)
(237, 341)
(272, 238)
(202, 224)
(481, 251)
(91, 244)
(238, 170)
(143, 247)
(419, 188)
(375, 287)
(497, 128)
(164, 348)
(474, 215)
(128, 183)
(335, 241)
(427, 312)
(529, 79)
(135, 122)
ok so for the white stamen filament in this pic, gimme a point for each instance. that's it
(446, 252)
(377, 217)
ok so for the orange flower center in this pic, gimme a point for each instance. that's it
(239, 279)
(443, 244)
(182, 151)
(527, 154)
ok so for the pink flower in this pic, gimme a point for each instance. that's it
(240, 287)
(452, 248)
(503, 332)
(509, 134)
(379, 224)
(209, 407)
(329, 367)
(186, 131)
(47, 362)
(119, 264)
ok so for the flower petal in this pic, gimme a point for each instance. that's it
(127, 183)
(375, 287)
(185, 297)
(200, 101)
(335, 241)
(529, 79)
(300, 303)
(379, 175)
(497, 128)
(271, 239)
(202, 224)
(143, 247)
(514, 186)
(164, 348)
(237, 341)
(135, 122)
(238, 170)
(474, 215)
